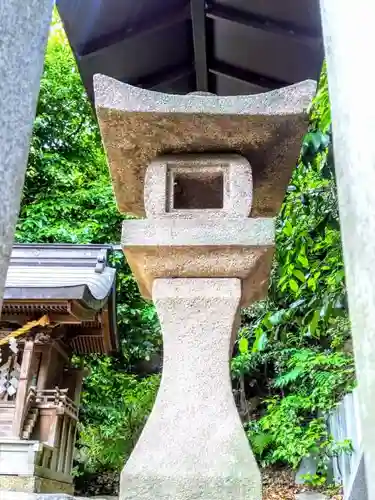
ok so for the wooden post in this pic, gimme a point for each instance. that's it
(70, 447)
(55, 431)
(80, 375)
(55, 441)
(74, 437)
(23, 387)
(44, 367)
(63, 444)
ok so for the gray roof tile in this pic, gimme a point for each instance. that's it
(65, 272)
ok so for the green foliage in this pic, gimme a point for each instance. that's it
(67, 195)
(284, 434)
(294, 356)
(322, 377)
(68, 198)
(291, 427)
(115, 406)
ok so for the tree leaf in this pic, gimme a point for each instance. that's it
(293, 285)
(288, 228)
(260, 341)
(277, 317)
(299, 274)
(243, 345)
(302, 259)
(314, 322)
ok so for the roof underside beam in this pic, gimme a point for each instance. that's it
(160, 23)
(198, 17)
(255, 21)
(228, 47)
(166, 76)
(229, 71)
(172, 74)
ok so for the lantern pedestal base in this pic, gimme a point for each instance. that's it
(193, 445)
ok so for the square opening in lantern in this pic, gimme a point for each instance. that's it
(196, 189)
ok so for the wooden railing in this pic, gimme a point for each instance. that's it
(56, 417)
(59, 446)
(58, 399)
(49, 464)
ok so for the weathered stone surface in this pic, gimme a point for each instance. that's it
(209, 232)
(311, 495)
(199, 257)
(12, 495)
(33, 484)
(193, 445)
(23, 34)
(353, 117)
(357, 489)
(138, 125)
(184, 241)
(17, 483)
(17, 458)
(9, 495)
(18, 471)
(191, 181)
(307, 466)
(44, 485)
(241, 248)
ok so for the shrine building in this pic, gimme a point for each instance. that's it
(59, 305)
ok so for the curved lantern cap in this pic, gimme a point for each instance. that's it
(73, 284)
(138, 125)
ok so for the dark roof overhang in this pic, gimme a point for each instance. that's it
(228, 47)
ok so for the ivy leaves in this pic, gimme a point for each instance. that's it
(292, 345)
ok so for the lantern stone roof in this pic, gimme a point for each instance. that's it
(266, 129)
(73, 284)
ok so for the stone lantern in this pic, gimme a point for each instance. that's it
(208, 175)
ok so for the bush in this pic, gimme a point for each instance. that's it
(292, 352)
(115, 407)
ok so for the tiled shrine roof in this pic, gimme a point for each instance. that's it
(78, 272)
(73, 284)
